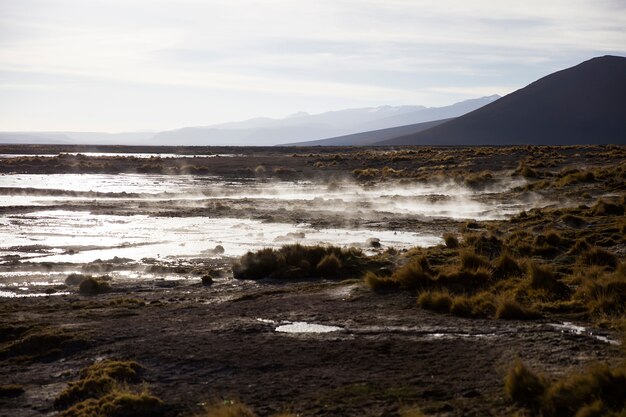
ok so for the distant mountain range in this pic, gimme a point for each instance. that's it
(585, 104)
(298, 127)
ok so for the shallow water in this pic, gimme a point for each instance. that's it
(60, 221)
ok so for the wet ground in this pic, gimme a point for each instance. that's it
(315, 348)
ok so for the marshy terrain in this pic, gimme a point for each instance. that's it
(406, 281)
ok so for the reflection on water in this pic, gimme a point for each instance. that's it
(79, 218)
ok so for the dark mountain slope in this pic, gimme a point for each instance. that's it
(368, 138)
(585, 104)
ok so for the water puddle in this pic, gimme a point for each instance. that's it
(304, 327)
(576, 330)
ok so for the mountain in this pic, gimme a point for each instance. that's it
(87, 138)
(370, 138)
(584, 104)
(303, 127)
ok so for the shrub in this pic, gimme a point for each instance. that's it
(207, 280)
(435, 300)
(525, 387)
(463, 280)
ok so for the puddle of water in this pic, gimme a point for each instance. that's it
(304, 327)
(573, 329)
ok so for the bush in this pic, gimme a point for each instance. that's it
(604, 208)
(524, 387)
(542, 277)
(207, 280)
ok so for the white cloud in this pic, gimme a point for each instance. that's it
(320, 54)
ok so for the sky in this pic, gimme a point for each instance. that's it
(126, 65)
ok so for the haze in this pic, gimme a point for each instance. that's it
(120, 66)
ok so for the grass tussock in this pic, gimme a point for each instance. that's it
(605, 295)
(94, 286)
(297, 262)
(435, 300)
(451, 240)
(98, 380)
(227, 409)
(598, 256)
(509, 309)
(380, 284)
(43, 344)
(525, 387)
(505, 266)
(104, 390)
(414, 275)
(598, 391)
(118, 403)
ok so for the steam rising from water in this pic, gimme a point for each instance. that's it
(60, 218)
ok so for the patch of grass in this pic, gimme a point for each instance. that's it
(329, 266)
(472, 261)
(505, 266)
(543, 277)
(119, 402)
(509, 309)
(93, 286)
(411, 412)
(575, 392)
(43, 344)
(525, 387)
(604, 295)
(297, 261)
(228, 409)
(598, 256)
(98, 380)
(451, 240)
(75, 279)
(414, 275)
(12, 390)
(435, 300)
(604, 208)
(380, 284)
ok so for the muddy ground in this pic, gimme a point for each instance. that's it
(201, 343)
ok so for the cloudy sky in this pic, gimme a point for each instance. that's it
(115, 65)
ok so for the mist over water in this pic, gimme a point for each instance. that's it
(72, 219)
